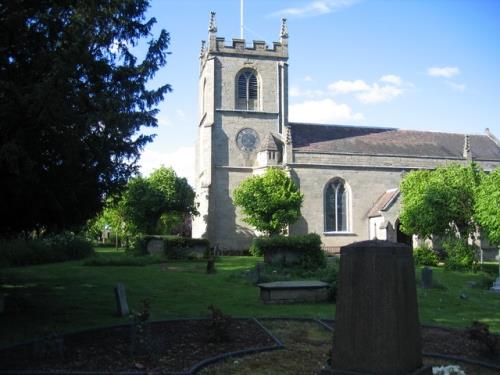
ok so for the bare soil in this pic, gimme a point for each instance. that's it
(176, 346)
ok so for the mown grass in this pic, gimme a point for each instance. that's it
(70, 296)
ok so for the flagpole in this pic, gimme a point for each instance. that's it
(241, 19)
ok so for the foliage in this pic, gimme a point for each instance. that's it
(142, 341)
(425, 256)
(308, 246)
(170, 243)
(460, 255)
(440, 202)
(219, 325)
(143, 205)
(481, 332)
(148, 202)
(49, 249)
(73, 101)
(269, 202)
(488, 206)
(110, 218)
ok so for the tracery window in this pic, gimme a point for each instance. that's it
(336, 207)
(247, 90)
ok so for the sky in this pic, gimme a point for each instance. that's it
(409, 64)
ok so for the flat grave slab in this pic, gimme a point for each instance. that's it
(294, 291)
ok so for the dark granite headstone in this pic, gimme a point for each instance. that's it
(426, 276)
(377, 329)
(121, 300)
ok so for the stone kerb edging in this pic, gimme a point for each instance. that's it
(193, 370)
(475, 362)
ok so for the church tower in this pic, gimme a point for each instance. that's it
(243, 128)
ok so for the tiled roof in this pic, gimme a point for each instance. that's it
(383, 202)
(387, 141)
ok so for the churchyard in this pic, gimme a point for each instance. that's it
(71, 296)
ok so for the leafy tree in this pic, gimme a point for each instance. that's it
(73, 99)
(269, 202)
(161, 200)
(143, 205)
(488, 206)
(179, 195)
(441, 201)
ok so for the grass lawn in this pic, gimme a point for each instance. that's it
(70, 296)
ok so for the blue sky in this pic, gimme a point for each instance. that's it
(411, 64)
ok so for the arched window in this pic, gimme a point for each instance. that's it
(247, 90)
(336, 207)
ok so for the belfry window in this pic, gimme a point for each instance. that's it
(247, 90)
(336, 207)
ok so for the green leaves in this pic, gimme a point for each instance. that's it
(441, 201)
(487, 206)
(73, 99)
(269, 202)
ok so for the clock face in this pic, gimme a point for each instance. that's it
(247, 140)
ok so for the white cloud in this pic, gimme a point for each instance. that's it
(445, 71)
(315, 8)
(344, 87)
(391, 78)
(323, 111)
(181, 160)
(374, 93)
(296, 91)
(308, 78)
(379, 94)
(461, 87)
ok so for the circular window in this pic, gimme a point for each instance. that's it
(247, 140)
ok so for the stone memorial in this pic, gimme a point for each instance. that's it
(121, 300)
(294, 291)
(426, 278)
(155, 246)
(377, 329)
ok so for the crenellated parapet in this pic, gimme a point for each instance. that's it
(217, 45)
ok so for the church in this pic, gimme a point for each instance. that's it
(349, 175)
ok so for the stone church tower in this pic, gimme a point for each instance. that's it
(243, 118)
(349, 175)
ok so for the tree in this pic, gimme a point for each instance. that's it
(269, 202)
(441, 201)
(143, 206)
(73, 99)
(149, 202)
(488, 206)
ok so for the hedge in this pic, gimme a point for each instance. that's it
(309, 247)
(48, 249)
(169, 242)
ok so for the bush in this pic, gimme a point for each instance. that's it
(308, 246)
(425, 256)
(169, 242)
(460, 255)
(49, 249)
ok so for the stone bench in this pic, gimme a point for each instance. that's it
(294, 291)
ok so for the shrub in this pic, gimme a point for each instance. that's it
(460, 255)
(425, 256)
(169, 242)
(49, 249)
(308, 246)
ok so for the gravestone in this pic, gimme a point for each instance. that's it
(155, 246)
(121, 300)
(211, 265)
(426, 277)
(377, 330)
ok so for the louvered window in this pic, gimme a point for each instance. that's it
(336, 207)
(247, 91)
